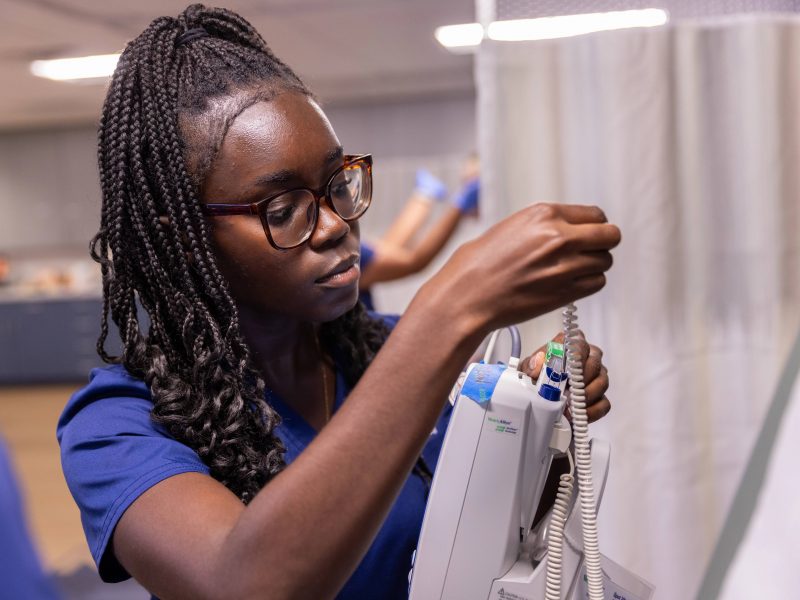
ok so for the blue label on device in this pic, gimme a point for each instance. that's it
(481, 382)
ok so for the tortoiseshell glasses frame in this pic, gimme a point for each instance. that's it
(290, 217)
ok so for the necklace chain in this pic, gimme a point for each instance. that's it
(325, 394)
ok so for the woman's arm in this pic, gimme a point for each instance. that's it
(393, 262)
(305, 533)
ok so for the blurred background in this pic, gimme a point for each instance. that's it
(685, 131)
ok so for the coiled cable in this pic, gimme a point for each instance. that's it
(583, 457)
(555, 533)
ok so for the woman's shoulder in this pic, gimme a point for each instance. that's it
(112, 451)
(113, 380)
(112, 391)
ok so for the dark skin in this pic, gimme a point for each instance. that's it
(280, 300)
(542, 258)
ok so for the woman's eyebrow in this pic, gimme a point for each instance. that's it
(334, 155)
(282, 176)
(286, 176)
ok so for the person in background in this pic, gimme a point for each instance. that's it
(399, 252)
(21, 574)
(265, 436)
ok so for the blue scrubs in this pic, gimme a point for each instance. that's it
(20, 572)
(112, 452)
(367, 256)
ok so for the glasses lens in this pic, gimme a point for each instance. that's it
(290, 217)
(351, 190)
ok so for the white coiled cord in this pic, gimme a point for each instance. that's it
(555, 533)
(583, 457)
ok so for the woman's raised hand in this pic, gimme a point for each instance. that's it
(534, 261)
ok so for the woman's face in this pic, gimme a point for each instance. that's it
(274, 146)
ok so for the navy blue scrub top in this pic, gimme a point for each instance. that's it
(20, 571)
(112, 452)
(366, 257)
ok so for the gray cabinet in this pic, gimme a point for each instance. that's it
(50, 340)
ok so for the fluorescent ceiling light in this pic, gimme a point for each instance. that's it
(84, 67)
(469, 35)
(459, 36)
(569, 25)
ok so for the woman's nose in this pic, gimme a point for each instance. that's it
(330, 226)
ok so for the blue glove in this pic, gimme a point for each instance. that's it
(467, 199)
(427, 185)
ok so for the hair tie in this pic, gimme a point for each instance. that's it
(189, 35)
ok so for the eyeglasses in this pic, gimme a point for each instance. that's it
(289, 218)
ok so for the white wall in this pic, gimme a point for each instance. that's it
(49, 191)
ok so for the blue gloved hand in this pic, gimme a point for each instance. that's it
(467, 199)
(428, 185)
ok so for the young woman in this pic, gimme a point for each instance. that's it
(218, 458)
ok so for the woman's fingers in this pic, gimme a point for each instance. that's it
(595, 376)
(596, 236)
(598, 410)
(597, 387)
(581, 213)
(542, 257)
(593, 364)
(596, 381)
(532, 366)
(590, 357)
(587, 263)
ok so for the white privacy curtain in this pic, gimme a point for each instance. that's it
(765, 564)
(688, 136)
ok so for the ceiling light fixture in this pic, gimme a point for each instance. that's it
(453, 37)
(468, 36)
(547, 28)
(70, 69)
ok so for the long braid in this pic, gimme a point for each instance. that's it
(154, 250)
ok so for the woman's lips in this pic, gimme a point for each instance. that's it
(341, 278)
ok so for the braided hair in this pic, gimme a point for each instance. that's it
(160, 129)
